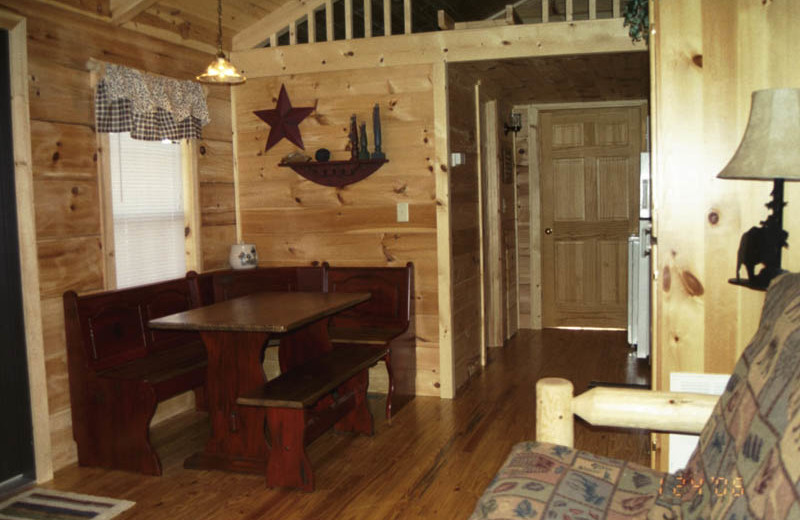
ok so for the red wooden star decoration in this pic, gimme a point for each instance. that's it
(284, 120)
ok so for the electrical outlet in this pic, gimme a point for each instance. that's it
(402, 211)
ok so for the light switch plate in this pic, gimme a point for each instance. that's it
(402, 211)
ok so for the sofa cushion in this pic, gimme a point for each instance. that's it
(544, 481)
(747, 462)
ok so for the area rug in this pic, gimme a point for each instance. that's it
(47, 504)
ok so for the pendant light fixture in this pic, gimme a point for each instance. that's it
(221, 70)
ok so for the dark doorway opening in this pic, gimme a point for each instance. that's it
(17, 466)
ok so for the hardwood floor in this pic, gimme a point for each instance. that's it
(434, 461)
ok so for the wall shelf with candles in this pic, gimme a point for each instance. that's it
(361, 165)
(336, 173)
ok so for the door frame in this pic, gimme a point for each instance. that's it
(534, 194)
(16, 26)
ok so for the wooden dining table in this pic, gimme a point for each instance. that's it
(235, 334)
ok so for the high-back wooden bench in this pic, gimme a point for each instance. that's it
(379, 320)
(119, 369)
(232, 283)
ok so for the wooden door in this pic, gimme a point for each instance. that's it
(589, 191)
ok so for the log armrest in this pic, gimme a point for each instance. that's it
(620, 407)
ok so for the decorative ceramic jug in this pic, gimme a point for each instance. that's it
(243, 256)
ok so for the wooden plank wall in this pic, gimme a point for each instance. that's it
(65, 154)
(294, 221)
(508, 220)
(522, 179)
(465, 228)
(707, 59)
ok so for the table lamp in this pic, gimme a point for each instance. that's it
(770, 150)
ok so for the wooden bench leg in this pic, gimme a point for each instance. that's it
(288, 464)
(120, 428)
(390, 392)
(359, 419)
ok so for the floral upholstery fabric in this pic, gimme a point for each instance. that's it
(548, 481)
(746, 465)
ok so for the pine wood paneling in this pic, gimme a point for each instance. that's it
(217, 242)
(70, 263)
(72, 208)
(53, 331)
(708, 57)
(219, 129)
(217, 204)
(465, 229)
(58, 93)
(344, 219)
(521, 157)
(514, 41)
(293, 221)
(214, 161)
(64, 155)
(65, 451)
(68, 39)
(63, 150)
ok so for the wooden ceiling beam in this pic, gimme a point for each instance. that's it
(274, 23)
(507, 41)
(123, 11)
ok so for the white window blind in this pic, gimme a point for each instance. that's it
(147, 200)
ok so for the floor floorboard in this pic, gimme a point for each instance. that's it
(433, 461)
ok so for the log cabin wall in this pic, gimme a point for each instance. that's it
(522, 155)
(293, 221)
(468, 187)
(465, 229)
(707, 58)
(65, 173)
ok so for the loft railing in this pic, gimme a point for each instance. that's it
(327, 20)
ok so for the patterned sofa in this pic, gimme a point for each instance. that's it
(746, 465)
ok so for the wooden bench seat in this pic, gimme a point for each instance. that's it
(119, 369)
(308, 399)
(363, 336)
(379, 320)
(160, 368)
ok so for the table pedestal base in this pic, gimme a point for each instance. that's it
(237, 432)
(203, 460)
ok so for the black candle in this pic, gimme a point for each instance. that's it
(353, 137)
(376, 124)
(363, 153)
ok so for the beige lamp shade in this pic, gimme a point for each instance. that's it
(770, 148)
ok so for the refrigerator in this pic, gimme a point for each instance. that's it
(639, 268)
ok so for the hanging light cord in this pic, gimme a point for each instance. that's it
(219, 28)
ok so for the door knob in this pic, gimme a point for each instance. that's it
(548, 231)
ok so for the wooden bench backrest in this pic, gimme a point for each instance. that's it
(232, 283)
(109, 328)
(391, 289)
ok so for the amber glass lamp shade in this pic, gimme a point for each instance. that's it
(221, 71)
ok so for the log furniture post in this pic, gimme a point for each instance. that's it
(677, 412)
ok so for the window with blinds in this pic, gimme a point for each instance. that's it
(147, 201)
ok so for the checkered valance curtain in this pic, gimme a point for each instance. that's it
(150, 107)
